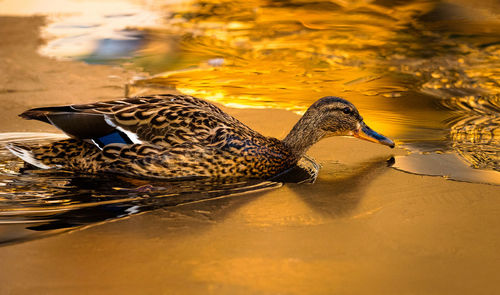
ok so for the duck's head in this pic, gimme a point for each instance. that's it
(331, 116)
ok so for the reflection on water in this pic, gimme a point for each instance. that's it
(93, 31)
(339, 194)
(475, 133)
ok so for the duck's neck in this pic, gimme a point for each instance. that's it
(303, 135)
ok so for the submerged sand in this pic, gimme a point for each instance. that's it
(362, 228)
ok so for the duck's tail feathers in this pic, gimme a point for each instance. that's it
(41, 114)
(26, 154)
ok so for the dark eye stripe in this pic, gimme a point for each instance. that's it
(345, 110)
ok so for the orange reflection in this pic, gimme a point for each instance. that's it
(282, 55)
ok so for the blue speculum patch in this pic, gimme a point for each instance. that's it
(114, 137)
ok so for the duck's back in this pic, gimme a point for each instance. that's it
(166, 120)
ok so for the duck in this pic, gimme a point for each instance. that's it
(174, 136)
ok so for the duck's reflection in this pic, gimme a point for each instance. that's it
(92, 200)
(338, 193)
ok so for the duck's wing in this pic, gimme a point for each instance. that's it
(166, 120)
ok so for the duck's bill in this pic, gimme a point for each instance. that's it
(366, 133)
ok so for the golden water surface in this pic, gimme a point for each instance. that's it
(425, 73)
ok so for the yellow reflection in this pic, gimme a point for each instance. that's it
(286, 55)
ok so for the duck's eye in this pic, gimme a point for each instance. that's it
(346, 111)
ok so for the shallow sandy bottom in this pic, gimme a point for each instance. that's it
(362, 228)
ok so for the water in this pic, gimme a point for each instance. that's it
(425, 73)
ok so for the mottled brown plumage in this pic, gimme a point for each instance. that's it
(179, 136)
